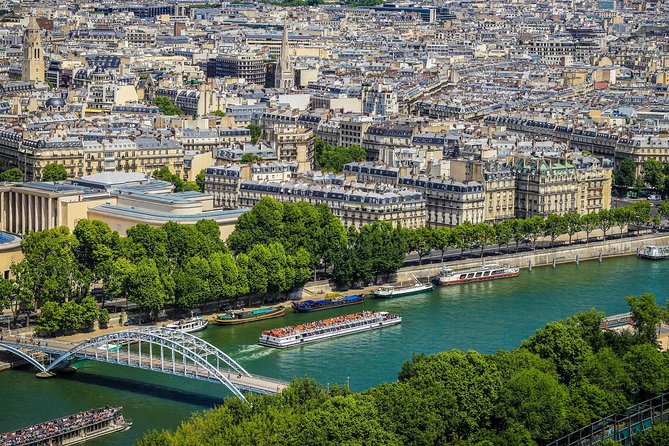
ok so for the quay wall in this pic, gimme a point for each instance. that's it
(529, 259)
(545, 257)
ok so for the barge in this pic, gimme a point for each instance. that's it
(326, 329)
(402, 290)
(236, 317)
(71, 430)
(449, 276)
(325, 304)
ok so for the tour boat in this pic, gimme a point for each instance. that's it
(74, 429)
(189, 325)
(449, 276)
(402, 290)
(326, 329)
(323, 304)
(655, 252)
(235, 317)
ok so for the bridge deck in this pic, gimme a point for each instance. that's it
(166, 364)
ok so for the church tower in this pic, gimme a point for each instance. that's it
(33, 54)
(284, 77)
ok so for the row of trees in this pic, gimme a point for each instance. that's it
(469, 236)
(567, 375)
(69, 317)
(50, 172)
(331, 158)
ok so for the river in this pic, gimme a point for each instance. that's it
(484, 317)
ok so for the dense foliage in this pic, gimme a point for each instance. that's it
(565, 376)
(54, 172)
(256, 131)
(331, 158)
(180, 185)
(167, 107)
(655, 176)
(12, 175)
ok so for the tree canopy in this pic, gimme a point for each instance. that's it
(54, 172)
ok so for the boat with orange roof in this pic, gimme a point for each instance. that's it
(327, 328)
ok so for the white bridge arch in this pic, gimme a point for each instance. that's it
(157, 348)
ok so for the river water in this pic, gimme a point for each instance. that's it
(484, 317)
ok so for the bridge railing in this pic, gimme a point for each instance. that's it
(621, 427)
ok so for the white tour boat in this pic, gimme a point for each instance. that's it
(326, 329)
(402, 290)
(655, 252)
(449, 276)
(189, 325)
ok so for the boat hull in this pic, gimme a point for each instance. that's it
(400, 293)
(441, 282)
(652, 257)
(190, 329)
(247, 320)
(299, 309)
(330, 335)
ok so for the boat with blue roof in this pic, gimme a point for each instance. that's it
(308, 306)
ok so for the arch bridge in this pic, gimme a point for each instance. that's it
(158, 349)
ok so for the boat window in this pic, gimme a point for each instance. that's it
(477, 274)
(463, 276)
(486, 273)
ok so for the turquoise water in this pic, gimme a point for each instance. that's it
(484, 317)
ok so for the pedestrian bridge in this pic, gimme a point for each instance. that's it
(159, 349)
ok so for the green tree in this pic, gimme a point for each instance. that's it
(663, 210)
(556, 225)
(200, 180)
(538, 401)
(503, 233)
(606, 220)
(54, 172)
(646, 316)
(573, 224)
(484, 234)
(166, 106)
(589, 223)
(520, 231)
(6, 293)
(626, 175)
(536, 227)
(220, 113)
(145, 287)
(164, 174)
(333, 158)
(249, 158)
(442, 239)
(192, 283)
(654, 174)
(256, 131)
(471, 378)
(12, 175)
(563, 346)
(50, 319)
(657, 436)
(648, 370)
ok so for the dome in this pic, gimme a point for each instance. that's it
(54, 102)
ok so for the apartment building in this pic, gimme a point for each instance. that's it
(449, 202)
(546, 186)
(223, 182)
(355, 205)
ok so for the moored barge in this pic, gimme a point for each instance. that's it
(449, 276)
(326, 329)
(70, 430)
(236, 317)
(308, 306)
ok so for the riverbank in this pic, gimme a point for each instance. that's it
(575, 253)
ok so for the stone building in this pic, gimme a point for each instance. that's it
(33, 53)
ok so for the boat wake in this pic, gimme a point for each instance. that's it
(252, 352)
